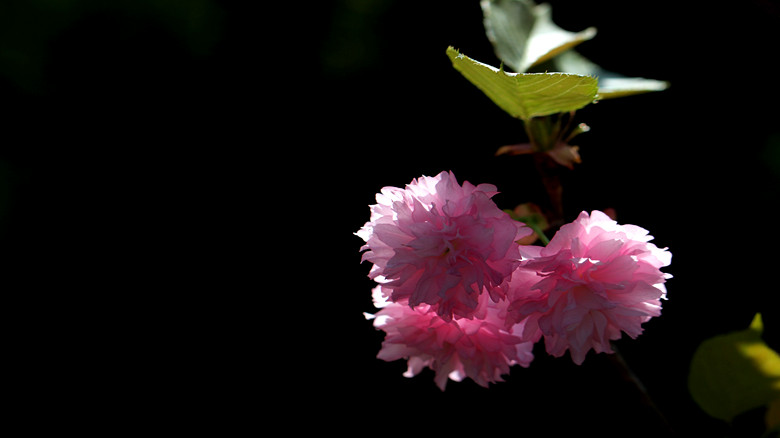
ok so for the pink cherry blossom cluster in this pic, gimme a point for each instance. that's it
(458, 294)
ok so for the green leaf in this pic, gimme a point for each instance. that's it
(524, 37)
(734, 373)
(527, 95)
(611, 84)
(531, 215)
(523, 33)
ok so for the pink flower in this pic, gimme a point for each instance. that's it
(438, 243)
(479, 348)
(597, 279)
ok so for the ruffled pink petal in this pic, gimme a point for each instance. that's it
(482, 349)
(596, 280)
(439, 243)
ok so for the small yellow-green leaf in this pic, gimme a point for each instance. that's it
(527, 95)
(733, 373)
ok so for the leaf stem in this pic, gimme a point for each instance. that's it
(548, 170)
(567, 127)
(539, 233)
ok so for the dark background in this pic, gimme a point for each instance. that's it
(180, 185)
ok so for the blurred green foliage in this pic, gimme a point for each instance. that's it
(733, 373)
(352, 43)
(771, 153)
(28, 28)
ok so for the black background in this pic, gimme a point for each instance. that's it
(177, 225)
